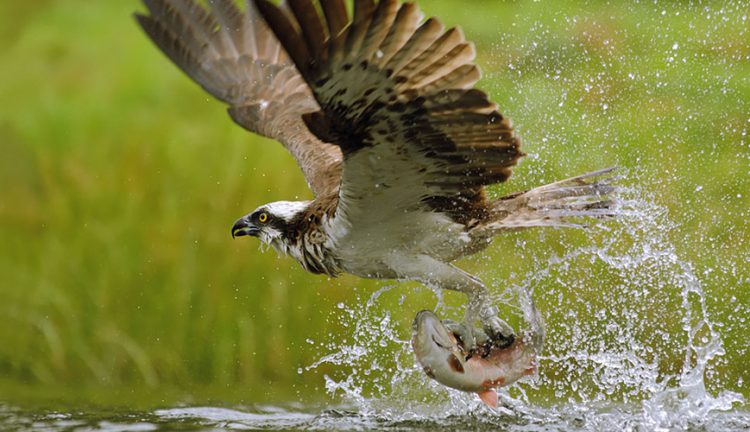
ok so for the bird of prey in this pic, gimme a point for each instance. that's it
(380, 112)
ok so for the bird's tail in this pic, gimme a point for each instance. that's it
(566, 203)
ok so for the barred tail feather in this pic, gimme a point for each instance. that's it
(560, 204)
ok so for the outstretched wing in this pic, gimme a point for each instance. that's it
(233, 55)
(397, 98)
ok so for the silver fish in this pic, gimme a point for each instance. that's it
(443, 358)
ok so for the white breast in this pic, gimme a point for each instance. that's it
(367, 250)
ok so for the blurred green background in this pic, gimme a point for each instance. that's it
(120, 179)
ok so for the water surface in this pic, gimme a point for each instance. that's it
(298, 417)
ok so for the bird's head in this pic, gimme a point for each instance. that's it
(269, 222)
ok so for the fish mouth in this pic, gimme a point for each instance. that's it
(440, 344)
(426, 321)
(429, 330)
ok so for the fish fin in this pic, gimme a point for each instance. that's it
(489, 397)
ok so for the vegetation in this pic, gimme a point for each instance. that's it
(120, 179)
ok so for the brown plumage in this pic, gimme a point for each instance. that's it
(233, 55)
(384, 81)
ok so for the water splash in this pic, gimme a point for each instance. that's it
(609, 357)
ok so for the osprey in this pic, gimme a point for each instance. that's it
(380, 112)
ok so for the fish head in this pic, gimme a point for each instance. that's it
(438, 351)
(429, 333)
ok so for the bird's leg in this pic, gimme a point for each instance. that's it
(441, 275)
(498, 331)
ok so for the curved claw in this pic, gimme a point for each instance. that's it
(462, 332)
(495, 332)
(500, 333)
(468, 337)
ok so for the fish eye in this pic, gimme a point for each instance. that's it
(263, 217)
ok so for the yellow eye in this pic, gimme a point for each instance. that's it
(263, 218)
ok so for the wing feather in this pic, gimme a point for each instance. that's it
(234, 56)
(398, 99)
(358, 28)
(442, 65)
(440, 50)
(463, 77)
(187, 21)
(420, 40)
(381, 22)
(231, 24)
(336, 16)
(406, 22)
(311, 25)
(288, 33)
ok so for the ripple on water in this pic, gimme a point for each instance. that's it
(579, 417)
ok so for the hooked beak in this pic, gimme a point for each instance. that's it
(244, 227)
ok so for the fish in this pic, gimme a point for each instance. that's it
(480, 371)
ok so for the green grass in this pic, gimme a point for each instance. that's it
(120, 180)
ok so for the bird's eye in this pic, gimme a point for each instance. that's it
(263, 217)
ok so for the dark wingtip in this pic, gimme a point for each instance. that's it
(287, 31)
(264, 6)
(144, 21)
